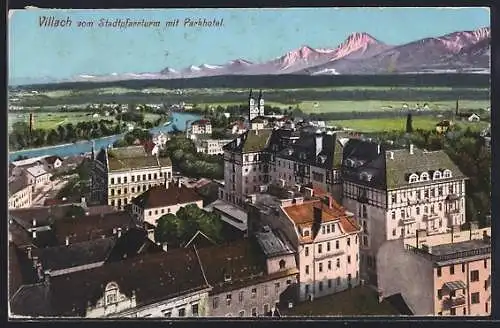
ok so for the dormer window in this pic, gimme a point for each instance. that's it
(413, 178)
(424, 176)
(306, 233)
(111, 293)
(227, 277)
(436, 175)
(282, 264)
(447, 174)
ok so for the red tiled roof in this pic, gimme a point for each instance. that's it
(303, 214)
(201, 122)
(159, 196)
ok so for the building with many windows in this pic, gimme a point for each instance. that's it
(20, 193)
(445, 274)
(397, 192)
(211, 146)
(121, 174)
(200, 127)
(323, 235)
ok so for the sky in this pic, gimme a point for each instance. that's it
(254, 34)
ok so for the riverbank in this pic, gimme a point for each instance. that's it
(85, 146)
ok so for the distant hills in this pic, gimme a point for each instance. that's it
(359, 54)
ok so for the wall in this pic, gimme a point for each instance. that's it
(248, 303)
(401, 271)
(157, 213)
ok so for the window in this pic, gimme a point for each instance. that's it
(289, 281)
(447, 174)
(320, 286)
(320, 267)
(338, 263)
(241, 313)
(337, 244)
(474, 298)
(413, 178)
(282, 264)
(194, 310)
(440, 191)
(329, 265)
(348, 241)
(453, 311)
(149, 176)
(320, 249)
(125, 180)
(167, 314)
(307, 251)
(133, 189)
(463, 267)
(254, 292)
(228, 299)
(393, 215)
(215, 302)
(328, 246)
(394, 232)
(277, 287)
(438, 272)
(182, 312)
(119, 180)
(254, 312)
(112, 192)
(266, 290)
(349, 259)
(112, 180)
(306, 233)
(424, 176)
(485, 263)
(307, 269)
(241, 296)
(474, 275)
(452, 269)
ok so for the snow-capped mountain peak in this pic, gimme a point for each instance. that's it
(354, 42)
(240, 61)
(206, 66)
(193, 68)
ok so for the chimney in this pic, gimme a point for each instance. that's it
(119, 232)
(165, 246)
(328, 201)
(317, 214)
(34, 222)
(308, 192)
(411, 149)
(28, 251)
(33, 234)
(238, 141)
(66, 242)
(319, 142)
(179, 184)
(391, 154)
(378, 149)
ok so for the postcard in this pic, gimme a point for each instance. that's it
(246, 163)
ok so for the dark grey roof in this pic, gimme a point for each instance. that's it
(318, 149)
(464, 246)
(73, 255)
(132, 243)
(16, 185)
(455, 285)
(271, 244)
(32, 300)
(371, 164)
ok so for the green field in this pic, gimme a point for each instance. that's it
(399, 124)
(51, 120)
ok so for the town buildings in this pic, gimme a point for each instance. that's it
(200, 127)
(256, 106)
(249, 277)
(163, 199)
(37, 176)
(20, 193)
(394, 193)
(121, 174)
(323, 236)
(446, 274)
(211, 146)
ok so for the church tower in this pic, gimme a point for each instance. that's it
(253, 109)
(261, 104)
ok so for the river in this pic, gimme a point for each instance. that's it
(178, 120)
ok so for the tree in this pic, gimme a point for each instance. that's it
(409, 123)
(168, 230)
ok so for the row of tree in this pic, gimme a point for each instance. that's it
(178, 229)
(182, 152)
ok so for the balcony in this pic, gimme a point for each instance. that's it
(453, 302)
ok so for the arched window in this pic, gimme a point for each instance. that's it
(413, 178)
(447, 174)
(306, 233)
(424, 176)
(111, 293)
(282, 264)
(436, 175)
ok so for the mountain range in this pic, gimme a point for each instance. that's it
(359, 54)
